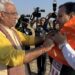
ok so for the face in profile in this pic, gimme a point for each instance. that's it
(62, 17)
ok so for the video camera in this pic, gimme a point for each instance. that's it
(23, 18)
(52, 16)
(54, 10)
(37, 12)
(22, 24)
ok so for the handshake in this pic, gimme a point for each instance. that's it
(50, 41)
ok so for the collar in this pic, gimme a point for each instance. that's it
(70, 22)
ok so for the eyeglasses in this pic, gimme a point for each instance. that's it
(12, 13)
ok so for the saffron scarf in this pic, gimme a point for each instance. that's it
(69, 30)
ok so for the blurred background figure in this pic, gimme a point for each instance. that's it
(41, 60)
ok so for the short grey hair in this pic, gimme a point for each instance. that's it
(3, 2)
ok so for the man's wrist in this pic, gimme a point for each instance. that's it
(43, 49)
(61, 46)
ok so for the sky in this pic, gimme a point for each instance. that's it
(28, 6)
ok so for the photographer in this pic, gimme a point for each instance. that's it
(37, 24)
(35, 16)
(41, 60)
(23, 26)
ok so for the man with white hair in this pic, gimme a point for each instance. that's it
(12, 55)
(3, 1)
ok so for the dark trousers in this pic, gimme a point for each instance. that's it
(65, 70)
(28, 66)
(41, 63)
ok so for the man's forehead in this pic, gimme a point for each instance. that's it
(62, 9)
(10, 7)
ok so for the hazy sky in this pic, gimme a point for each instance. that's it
(28, 6)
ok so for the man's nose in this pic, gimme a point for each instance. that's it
(17, 17)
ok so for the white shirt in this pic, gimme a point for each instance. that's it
(69, 54)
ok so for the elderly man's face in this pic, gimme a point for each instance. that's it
(10, 15)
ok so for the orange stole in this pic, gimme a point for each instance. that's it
(69, 30)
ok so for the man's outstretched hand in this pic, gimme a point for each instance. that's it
(48, 44)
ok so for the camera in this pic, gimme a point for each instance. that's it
(37, 12)
(23, 18)
(39, 31)
(22, 24)
(51, 17)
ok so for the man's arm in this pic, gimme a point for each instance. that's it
(68, 53)
(13, 57)
(30, 40)
(66, 49)
(32, 54)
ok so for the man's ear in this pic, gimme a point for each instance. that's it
(0, 14)
(72, 14)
